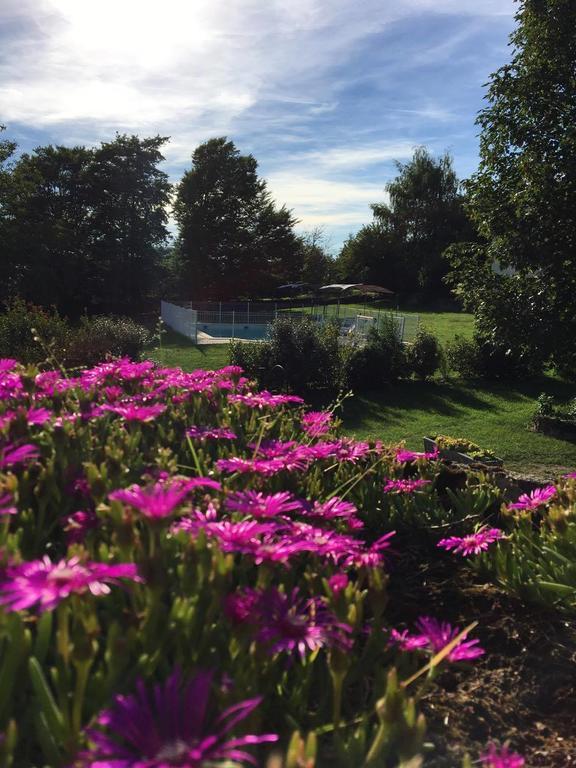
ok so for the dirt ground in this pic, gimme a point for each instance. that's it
(523, 689)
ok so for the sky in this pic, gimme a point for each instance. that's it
(326, 94)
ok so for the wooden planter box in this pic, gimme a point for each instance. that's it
(460, 458)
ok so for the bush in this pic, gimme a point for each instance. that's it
(30, 333)
(480, 359)
(424, 356)
(379, 362)
(299, 355)
(101, 336)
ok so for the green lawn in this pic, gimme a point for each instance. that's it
(445, 325)
(494, 416)
(178, 352)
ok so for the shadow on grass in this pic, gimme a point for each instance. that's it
(445, 399)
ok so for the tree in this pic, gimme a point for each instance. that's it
(403, 247)
(48, 230)
(83, 226)
(523, 197)
(232, 239)
(317, 265)
(7, 149)
(129, 197)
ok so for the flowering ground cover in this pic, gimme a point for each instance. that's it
(195, 573)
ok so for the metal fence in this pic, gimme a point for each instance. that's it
(216, 321)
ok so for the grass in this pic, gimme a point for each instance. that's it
(495, 416)
(178, 352)
(445, 325)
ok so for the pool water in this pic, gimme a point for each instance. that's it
(252, 332)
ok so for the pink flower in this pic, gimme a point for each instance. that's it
(11, 455)
(264, 467)
(501, 757)
(131, 412)
(264, 399)
(570, 476)
(46, 584)
(171, 724)
(472, 544)
(403, 455)
(534, 499)
(160, 500)
(404, 486)
(258, 504)
(434, 636)
(373, 556)
(7, 364)
(78, 524)
(214, 433)
(290, 623)
(38, 416)
(338, 583)
(336, 509)
(316, 423)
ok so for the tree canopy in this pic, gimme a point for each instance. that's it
(403, 247)
(523, 197)
(232, 238)
(82, 226)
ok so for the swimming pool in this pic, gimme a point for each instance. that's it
(213, 332)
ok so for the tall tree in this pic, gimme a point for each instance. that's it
(128, 217)
(403, 247)
(523, 197)
(7, 277)
(317, 265)
(84, 225)
(232, 238)
(48, 227)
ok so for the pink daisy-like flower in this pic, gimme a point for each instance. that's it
(336, 509)
(404, 486)
(160, 500)
(168, 726)
(258, 504)
(78, 524)
(338, 583)
(10, 455)
(45, 584)
(403, 456)
(141, 413)
(213, 433)
(501, 757)
(291, 623)
(316, 423)
(472, 544)
(264, 399)
(435, 635)
(534, 499)
(38, 416)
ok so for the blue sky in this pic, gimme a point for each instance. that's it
(326, 94)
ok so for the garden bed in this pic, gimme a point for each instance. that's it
(555, 426)
(432, 444)
(186, 540)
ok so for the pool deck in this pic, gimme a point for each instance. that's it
(204, 338)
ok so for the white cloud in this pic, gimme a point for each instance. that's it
(137, 64)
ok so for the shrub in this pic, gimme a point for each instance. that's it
(101, 336)
(477, 358)
(379, 362)
(424, 356)
(299, 355)
(30, 333)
